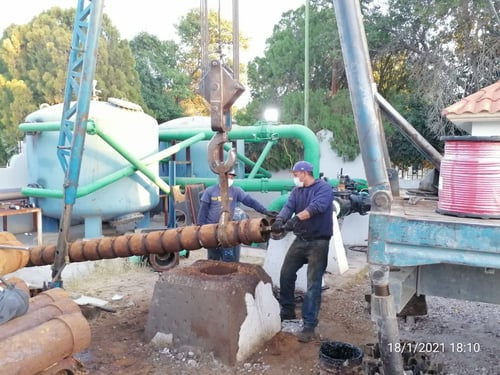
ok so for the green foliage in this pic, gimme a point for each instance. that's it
(164, 86)
(220, 40)
(425, 55)
(220, 44)
(277, 79)
(327, 112)
(14, 96)
(281, 70)
(37, 54)
(402, 152)
(34, 65)
(116, 73)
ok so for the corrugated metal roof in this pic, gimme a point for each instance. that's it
(485, 101)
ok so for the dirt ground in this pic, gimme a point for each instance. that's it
(118, 345)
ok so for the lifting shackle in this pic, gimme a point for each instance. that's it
(216, 155)
(221, 88)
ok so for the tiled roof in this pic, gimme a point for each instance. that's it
(484, 102)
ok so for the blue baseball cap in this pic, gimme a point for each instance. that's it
(302, 166)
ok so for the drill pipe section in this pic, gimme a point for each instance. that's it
(47, 297)
(37, 317)
(160, 242)
(34, 350)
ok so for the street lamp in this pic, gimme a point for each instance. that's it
(271, 115)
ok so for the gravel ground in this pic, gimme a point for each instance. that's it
(466, 335)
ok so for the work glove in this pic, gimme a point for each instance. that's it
(271, 213)
(277, 226)
(290, 224)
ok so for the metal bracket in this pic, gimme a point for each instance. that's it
(221, 90)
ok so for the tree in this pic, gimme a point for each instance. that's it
(34, 60)
(13, 98)
(281, 70)
(424, 56)
(277, 79)
(220, 44)
(447, 49)
(163, 85)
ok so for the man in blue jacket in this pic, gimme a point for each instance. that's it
(211, 208)
(311, 203)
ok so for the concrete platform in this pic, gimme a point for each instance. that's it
(225, 308)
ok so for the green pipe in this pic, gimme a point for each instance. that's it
(256, 133)
(115, 176)
(261, 159)
(171, 150)
(32, 127)
(133, 160)
(262, 185)
(249, 162)
(278, 203)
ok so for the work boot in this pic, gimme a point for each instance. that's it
(288, 316)
(306, 335)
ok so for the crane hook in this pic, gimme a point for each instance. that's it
(215, 154)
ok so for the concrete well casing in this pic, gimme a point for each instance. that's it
(225, 308)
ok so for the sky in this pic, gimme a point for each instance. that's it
(157, 17)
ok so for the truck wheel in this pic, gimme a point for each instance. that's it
(162, 263)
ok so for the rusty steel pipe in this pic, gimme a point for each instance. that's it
(34, 350)
(46, 297)
(159, 242)
(66, 366)
(37, 317)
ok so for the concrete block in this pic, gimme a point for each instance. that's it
(276, 251)
(219, 307)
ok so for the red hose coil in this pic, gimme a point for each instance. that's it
(469, 183)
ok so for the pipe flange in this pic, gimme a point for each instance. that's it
(381, 201)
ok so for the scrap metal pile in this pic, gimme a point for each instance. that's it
(38, 335)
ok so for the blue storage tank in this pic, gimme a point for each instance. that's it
(129, 126)
(198, 165)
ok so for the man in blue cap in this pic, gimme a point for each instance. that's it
(311, 204)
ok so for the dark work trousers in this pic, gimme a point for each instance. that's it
(230, 254)
(314, 253)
